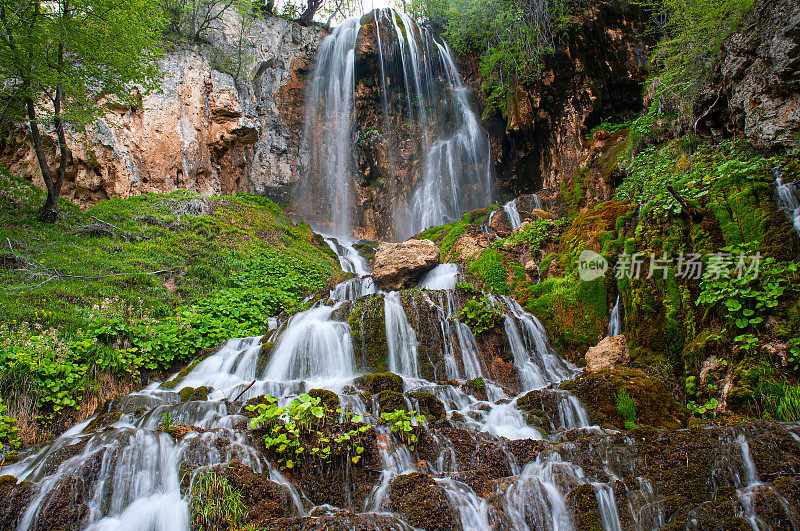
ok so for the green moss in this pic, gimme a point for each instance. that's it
(428, 404)
(367, 325)
(489, 268)
(377, 382)
(189, 394)
(328, 398)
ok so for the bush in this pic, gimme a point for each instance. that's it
(480, 315)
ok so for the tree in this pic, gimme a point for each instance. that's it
(61, 57)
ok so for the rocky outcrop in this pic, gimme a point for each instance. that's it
(755, 89)
(610, 353)
(400, 265)
(202, 129)
(423, 503)
(595, 75)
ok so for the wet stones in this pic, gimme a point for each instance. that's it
(423, 503)
(377, 382)
(263, 498)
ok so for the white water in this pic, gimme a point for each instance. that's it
(456, 170)
(789, 201)
(443, 276)
(400, 338)
(328, 128)
(614, 322)
(511, 211)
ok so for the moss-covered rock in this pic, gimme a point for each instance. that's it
(389, 401)
(189, 394)
(586, 513)
(423, 503)
(655, 406)
(377, 382)
(327, 398)
(368, 328)
(428, 404)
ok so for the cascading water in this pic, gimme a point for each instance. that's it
(425, 109)
(511, 211)
(614, 322)
(788, 200)
(130, 472)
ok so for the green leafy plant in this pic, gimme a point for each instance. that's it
(166, 422)
(9, 431)
(626, 407)
(480, 315)
(214, 504)
(404, 424)
(782, 401)
(744, 300)
(702, 410)
(299, 434)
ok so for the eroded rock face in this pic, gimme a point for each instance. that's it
(595, 75)
(423, 503)
(400, 265)
(756, 87)
(201, 130)
(610, 353)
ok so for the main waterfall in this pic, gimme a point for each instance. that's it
(393, 144)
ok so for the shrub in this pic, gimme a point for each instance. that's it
(480, 315)
(404, 424)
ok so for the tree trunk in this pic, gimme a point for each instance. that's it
(308, 15)
(49, 211)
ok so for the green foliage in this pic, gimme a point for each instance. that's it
(685, 57)
(534, 234)
(480, 315)
(80, 304)
(708, 409)
(489, 267)
(745, 300)
(9, 431)
(477, 383)
(510, 36)
(793, 358)
(626, 407)
(468, 287)
(404, 424)
(296, 434)
(166, 421)
(214, 504)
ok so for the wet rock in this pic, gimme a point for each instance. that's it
(327, 398)
(583, 502)
(263, 498)
(428, 404)
(655, 406)
(400, 265)
(16, 497)
(341, 521)
(389, 401)
(423, 503)
(367, 322)
(377, 382)
(189, 394)
(610, 353)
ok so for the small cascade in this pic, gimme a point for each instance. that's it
(607, 503)
(749, 490)
(536, 500)
(511, 211)
(788, 199)
(400, 337)
(313, 346)
(350, 260)
(614, 322)
(441, 277)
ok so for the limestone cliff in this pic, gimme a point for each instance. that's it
(202, 130)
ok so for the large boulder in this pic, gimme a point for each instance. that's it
(610, 353)
(400, 265)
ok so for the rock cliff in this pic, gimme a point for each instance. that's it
(202, 130)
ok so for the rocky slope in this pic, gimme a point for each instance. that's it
(202, 130)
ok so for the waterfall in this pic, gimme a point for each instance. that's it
(328, 125)
(312, 346)
(455, 174)
(400, 337)
(511, 211)
(789, 201)
(441, 277)
(614, 322)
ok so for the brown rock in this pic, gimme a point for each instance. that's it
(610, 353)
(423, 502)
(400, 265)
